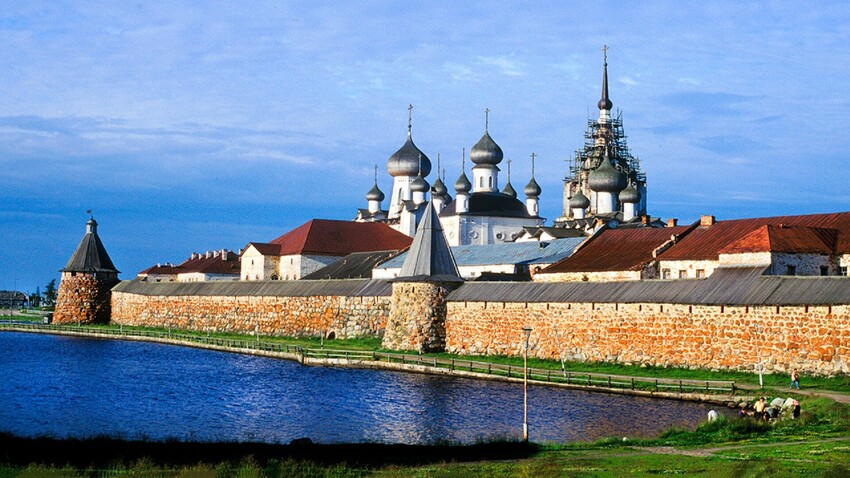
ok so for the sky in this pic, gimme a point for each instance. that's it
(193, 126)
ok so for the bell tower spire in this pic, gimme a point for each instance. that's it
(605, 104)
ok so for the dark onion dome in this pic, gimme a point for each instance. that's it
(439, 189)
(509, 190)
(580, 201)
(375, 194)
(629, 195)
(462, 185)
(486, 151)
(405, 161)
(606, 178)
(532, 189)
(493, 204)
(419, 185)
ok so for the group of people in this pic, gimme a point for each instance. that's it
(762, 411)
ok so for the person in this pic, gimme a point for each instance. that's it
(759, 408)
(795, 379)
(795, 412)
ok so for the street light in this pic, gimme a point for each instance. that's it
(527, 331)
(758, 330)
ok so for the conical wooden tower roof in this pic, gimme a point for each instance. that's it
(429, 258)
(90, 255)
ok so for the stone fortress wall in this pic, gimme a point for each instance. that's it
(340, 314)
(814, 339)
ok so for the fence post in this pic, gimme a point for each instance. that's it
(656, 384)
(569, 377)
(680, 386)
(609, 381)
(633, 383)
(706, 386)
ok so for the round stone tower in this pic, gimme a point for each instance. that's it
(84, 291)
(417, 318)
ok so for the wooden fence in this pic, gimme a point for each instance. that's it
(586, 379)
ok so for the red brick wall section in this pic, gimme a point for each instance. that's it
(285, 316)
(82, 299)
(815, 340)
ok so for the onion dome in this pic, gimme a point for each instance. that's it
(486, 151)
(462, 185)
(405, 161)
(439, 189)
(375, 194)
(419, 185)
(606, 178)
(580, 201)
(532, 189)
(509, 190)
(629, 195)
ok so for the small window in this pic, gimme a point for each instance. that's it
(683, 274)
(665, 273)
(844, 271)
(824, 270)
(700, 273)
(792, 271)
(491, 182)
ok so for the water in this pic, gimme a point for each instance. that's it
(77, 387)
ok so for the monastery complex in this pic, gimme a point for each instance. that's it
(433, 272)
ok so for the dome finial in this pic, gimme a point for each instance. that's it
(409, 118)
(533, 156)
(486, 119)
(509, 170)
(463, 160)
(376, 174)
(605, 102)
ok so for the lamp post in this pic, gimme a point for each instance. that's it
(527, 331)
(758, 330)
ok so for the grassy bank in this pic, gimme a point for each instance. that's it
(838, 383)
(818, 444)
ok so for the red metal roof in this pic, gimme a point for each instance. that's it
(207, 265)
(706, 242)
(617, 250)
(791, 239)
(337, 238)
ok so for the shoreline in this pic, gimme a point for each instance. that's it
(721, 400)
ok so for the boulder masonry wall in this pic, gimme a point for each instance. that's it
(813, 339)
(312, 316)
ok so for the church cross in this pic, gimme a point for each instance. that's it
(486, 119)
(409, 117)
(605, 53)
(533, 156)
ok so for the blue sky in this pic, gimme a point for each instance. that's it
(188, 127)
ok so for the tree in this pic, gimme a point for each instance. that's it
(50, 293)
(35, 297)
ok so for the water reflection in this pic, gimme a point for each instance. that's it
(68, 386)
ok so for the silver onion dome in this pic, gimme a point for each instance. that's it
(606, 178)
(462, 185)
(439, 189)
(509, 190)
(405, 161)
(375, 194)
(580, 201)
(629, 195)
(532, 189)
(419, 185)
(486, 151)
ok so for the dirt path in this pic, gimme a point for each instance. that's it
(706, 452)
(781, 391)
